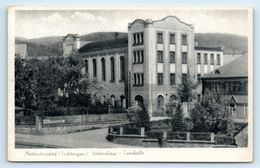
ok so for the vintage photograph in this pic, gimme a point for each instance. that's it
(133, 78)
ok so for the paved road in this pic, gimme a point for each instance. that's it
(86, 139)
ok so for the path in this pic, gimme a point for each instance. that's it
(87, 139)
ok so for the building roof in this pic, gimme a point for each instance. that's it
(116, 43)
(240, 98)
(209, 48)
(236, 68)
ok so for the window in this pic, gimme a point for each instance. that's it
(205, 59)
(103, 67)
(198, 76)
(232, 107)
(172, 38)
(138, 38)
(172, 79)
(86, 66)
(160, 103)
(198, 58)
(159, 38)
(122, 68)
(138, 79)
(184, 58)
(218, 59)
(112, 66)
(159, 78)
(212, 59)
(172, 57)
(238, 86)
(138, 57)
(94, 68)
(184, 39)
(159, 56)
(184, 77)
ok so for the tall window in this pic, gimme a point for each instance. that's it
(172, 38)
(212, 59)
(160, 103)
(184, 39)
(205, 59)
(218, 59)
(172, 57)
(138, 38)
(86, 66)
(138, 79)
(94, 68)
(232, 107)
(159, 56)
(112, 66)
(159, 38)
(198, 58)
(159, 78)
(103, 68)
(122, 68)
(172, 79)
(184, 58)
(138, 57)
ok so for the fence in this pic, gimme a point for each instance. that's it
(125, 130)
(25, 120)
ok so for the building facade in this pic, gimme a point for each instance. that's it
(232, 80)
(146, 68)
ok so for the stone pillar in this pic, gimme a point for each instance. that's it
(212, 137)
(120, 130)
(99, 72)
(124, 103)
(164, 135)
(188, 136)
(108, 73)
(142, 131)
(38, 124)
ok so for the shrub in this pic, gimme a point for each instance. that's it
(177, 120)
(139, 117)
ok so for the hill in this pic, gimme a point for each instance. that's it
(52, 46)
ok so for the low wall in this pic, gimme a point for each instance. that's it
(75, 119)
(67, 124)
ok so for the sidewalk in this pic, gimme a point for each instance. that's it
(87, 139)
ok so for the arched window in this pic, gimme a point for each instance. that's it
(160, 103)
(112, 65)
(173, 98)
(103, 66)
(122, 68)
(139, 100)
(94, 68)
(86, 66)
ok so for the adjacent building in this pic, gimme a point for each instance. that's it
(232, 80)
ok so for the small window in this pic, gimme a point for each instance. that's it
(184, 39)
(159, 56)
(198, 58)
(159, 38)
(172, 79)
(172, 38)
(205, 59)
(218, 59)
(159, 78)
(233, 108)
(184, 58)
(138, 38)
(212, 59)
(172, 57)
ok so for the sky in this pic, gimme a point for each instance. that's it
(42, 23)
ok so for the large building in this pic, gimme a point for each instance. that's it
(146, 67)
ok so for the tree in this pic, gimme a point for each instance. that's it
(211, 114)
(139, 117)
(177, 120)
(184, 89)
